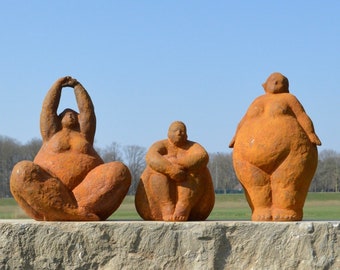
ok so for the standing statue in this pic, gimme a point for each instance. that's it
(67, 179)
(176, 184)
(275, 154)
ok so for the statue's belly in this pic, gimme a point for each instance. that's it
(71, 168)
(268, 141)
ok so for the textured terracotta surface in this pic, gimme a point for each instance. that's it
(275, 154)
(67, 179)
(176, 184)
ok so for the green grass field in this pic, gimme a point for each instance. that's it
(318, 206)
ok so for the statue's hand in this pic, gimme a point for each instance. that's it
(314, 139)
(68, 81)
(232, 142)
(177, 173)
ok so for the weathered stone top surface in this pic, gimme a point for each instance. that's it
(29, 244)
(207, 222)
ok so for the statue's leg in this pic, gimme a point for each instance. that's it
(155, 196)
(42, 196)
(162, 195)
(290, 184)
(257, 185)
(186, 198)
(103, 189)
(142, 203)
(25, 188)
(205, 201)
(189, 194)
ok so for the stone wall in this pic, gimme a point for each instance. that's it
(26, 244)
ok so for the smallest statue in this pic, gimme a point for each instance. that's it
(68, 181)
(275, 153)
(176, 184)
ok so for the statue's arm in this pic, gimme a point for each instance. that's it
(156, 160)
(303, 119)
(195, 159)
(49, 121)
(87, 117)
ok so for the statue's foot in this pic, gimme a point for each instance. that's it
(71, 214)
(167, 218)
(181, 213)
(280, 214)
(179, 218)
(83, 214)
(261, 214)
(167, 210)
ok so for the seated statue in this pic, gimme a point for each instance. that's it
(67, 179)
(176, 184)
(275, 153)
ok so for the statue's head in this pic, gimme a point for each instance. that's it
(177, 133)
(69, 119)
(276, 83)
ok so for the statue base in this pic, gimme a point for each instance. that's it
(28, 244)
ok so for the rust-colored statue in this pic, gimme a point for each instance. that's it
(176, 184)
(275, 154)
(67, 179)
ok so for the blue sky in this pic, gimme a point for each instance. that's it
(148, 63)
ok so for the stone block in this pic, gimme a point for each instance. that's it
(28, 244)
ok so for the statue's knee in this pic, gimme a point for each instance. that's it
(23, 173)
(23, 170)
(158, 178)
(121, 171)
(114, 170)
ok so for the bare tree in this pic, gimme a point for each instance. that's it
(10, 154)
(112, 152)
(327, 176)
(222, 172)
(135, 158)
(31, 148)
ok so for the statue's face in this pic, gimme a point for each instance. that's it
(69, 119)
(275, 84)
(177, 133)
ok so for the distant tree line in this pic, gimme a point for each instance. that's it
(326, 179)
(11, 152)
